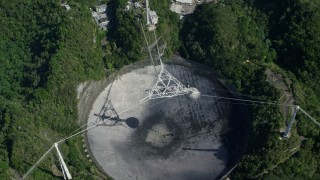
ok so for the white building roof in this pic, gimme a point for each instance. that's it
(153, 17)
(67, 7)
(104, 23)
(176, 8)
(185, 1)
(137, 5)
(102, 16)
(127, 7)
(102, 8)
(153, 13)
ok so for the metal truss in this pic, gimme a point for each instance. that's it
(295, 111)
(288, 129)
(64, 168)
(166, 86)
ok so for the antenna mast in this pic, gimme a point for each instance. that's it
(64, 167)
(296, 109)
(288, 129)
(147, 8)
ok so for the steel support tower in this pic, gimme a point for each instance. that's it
(64, 168)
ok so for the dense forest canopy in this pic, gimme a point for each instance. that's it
(226, 38)
(46, 51)
(42, 60)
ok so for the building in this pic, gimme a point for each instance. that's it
(153, 17)
(177, 8)
(137, 5)
(65, 5)
(127, 7)
(101, 9)
(100, 16)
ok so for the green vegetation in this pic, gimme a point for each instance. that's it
(125, 43)
(46, 51)
(124, 36)
(228, 39)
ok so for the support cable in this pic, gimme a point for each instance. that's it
(234, 103)
(235, 93)
(37, 163)
(145, 38)
(155, 37)
(316, 122)
(246, 100)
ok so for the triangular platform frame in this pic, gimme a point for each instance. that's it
(166, 86)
